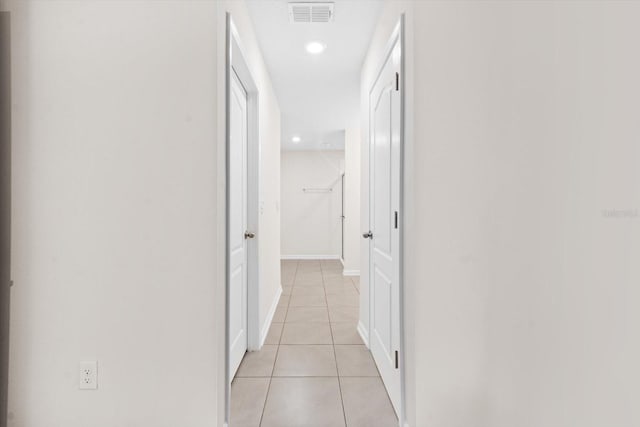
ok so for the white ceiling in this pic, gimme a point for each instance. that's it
(318, 94)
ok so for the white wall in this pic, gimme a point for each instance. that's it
(311, 224)
(269, 128)
(524, 130)
(118, 185)
(352, 233)
(115, 213)
(550, 141)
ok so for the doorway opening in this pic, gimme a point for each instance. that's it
(333, 354)
(243, 332)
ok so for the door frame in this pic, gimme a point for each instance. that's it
(5, 213)
(236, 63)
(397, 35)
(342, 216)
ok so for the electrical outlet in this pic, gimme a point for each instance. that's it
(88, 375)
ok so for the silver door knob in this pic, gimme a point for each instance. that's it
(249, 235)
(368, 235)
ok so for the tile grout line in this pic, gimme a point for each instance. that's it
(299, 344)
(335, 357)
(315, 376)
(353, 283)
(295, 274)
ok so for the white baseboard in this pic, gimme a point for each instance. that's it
(272, 311)
(363, 334)
(342, 261)
(351, 272)
(310, 257)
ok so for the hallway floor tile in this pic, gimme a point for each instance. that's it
(313, 370)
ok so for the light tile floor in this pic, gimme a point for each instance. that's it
(314, 370)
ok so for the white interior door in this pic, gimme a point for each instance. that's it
(384, 274)
(237, 226)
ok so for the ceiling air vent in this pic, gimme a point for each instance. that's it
(310, 13)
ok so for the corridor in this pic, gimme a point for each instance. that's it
(314, 369)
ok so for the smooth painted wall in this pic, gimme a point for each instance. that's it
(529, 114)
(115, 238)
(523, 191)
(311, 224)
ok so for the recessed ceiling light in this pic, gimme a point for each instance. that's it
(315, 47)
(296, 139)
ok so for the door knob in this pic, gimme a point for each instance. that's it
(368, 235)
(249, 235)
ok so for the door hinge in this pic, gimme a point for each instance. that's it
(396, 359)
(397, 81)
(396, 220)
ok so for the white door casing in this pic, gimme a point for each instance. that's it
(241, 220)
(385, 103)
(237, 226)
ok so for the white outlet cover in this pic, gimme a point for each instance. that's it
(88, 378)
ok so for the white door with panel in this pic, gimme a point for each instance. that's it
(385, 186)
(237, 256)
